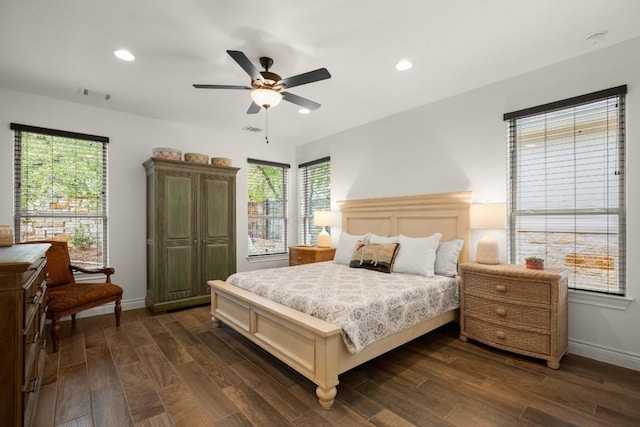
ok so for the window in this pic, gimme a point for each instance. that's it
(61, 190)
(315, 195)
(567, 190)
(268, 210)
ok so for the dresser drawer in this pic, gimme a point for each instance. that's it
(507, 337)
(503, 312)
(300, 257)
(34, 273)
(521, 290)
(309, 254)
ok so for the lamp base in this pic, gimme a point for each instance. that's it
(487, 250)
(324, 239)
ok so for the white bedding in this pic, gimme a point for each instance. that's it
(367, 305)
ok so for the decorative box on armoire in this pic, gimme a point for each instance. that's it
(191, 223)
(23, 304)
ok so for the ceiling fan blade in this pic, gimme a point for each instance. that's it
(246, 64)
(302, 79)
(253, 108)
(199, 86)
(298, 100)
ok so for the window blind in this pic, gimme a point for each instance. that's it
(315, 195)
(567, 188)
(60, 190)
(268, 186)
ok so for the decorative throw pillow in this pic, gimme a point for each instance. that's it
(417, 255)
(346, 246)
(374, 256)
(447, 257)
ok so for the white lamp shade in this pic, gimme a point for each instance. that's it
(266, 98)
(488, 216)
(323, 219)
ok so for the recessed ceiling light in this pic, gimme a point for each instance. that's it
(597, 37)
(124, 54)
(403, 65)
(304, 111)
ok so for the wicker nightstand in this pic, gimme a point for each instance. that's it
(309, 254)
(515, 309)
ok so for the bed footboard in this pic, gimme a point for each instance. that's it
(305, 343)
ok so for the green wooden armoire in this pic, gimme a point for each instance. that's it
(191, 224)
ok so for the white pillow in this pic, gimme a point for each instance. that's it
(447, 257)
(417, 255)
(347, 246)
(374, 238)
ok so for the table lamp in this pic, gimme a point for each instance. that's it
(488, 216)
(323, 219)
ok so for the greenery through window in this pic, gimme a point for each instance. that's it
(61, 191)
(315, 195)
(567, 190)
(268, 207)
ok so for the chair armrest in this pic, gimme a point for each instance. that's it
(108, 271)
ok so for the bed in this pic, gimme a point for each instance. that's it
(315, 348)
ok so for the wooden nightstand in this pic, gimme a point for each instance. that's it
(309, 254)
(516, 309)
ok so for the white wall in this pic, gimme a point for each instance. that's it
(460, 143)
(131, 140)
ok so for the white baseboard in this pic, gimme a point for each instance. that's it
(605, 354)
(108, 308)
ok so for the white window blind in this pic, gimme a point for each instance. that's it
(567, 189)
(61, 190)
(268, 207)
(315, 195)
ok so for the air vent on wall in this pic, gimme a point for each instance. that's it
(94, 94)
(252, 129)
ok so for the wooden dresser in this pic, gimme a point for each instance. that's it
(515, 309)
(309, 254)
(22, 342)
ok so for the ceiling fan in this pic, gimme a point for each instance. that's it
(267, 88)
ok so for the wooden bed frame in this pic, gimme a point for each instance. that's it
(314, 347)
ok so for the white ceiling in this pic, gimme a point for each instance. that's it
(55, 48)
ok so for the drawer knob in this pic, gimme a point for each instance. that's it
(501, 335)
(500, 311)
(299, 258)
(501, 288)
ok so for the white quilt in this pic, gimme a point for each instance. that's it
(366, 304)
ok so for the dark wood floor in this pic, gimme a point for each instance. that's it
(174, 369)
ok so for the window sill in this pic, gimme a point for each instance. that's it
(267, 258)
(599, 300)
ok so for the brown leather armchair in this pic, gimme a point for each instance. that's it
(66, 297)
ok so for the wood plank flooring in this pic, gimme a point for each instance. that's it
(174, 369)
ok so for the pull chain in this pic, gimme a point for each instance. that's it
(266, 135)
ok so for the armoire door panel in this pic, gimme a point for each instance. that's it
(217, 208)
(179, 271)
(217, 261)
(179, 206)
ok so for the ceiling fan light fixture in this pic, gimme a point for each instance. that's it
(266, 98)
(304, 111)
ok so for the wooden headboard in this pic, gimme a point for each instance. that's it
(414, 216)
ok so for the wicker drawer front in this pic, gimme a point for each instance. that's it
(508, 288)
(508, 337)
(500, 312)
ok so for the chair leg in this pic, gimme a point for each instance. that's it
(55, 334)
(73, 319)
(118, 309)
